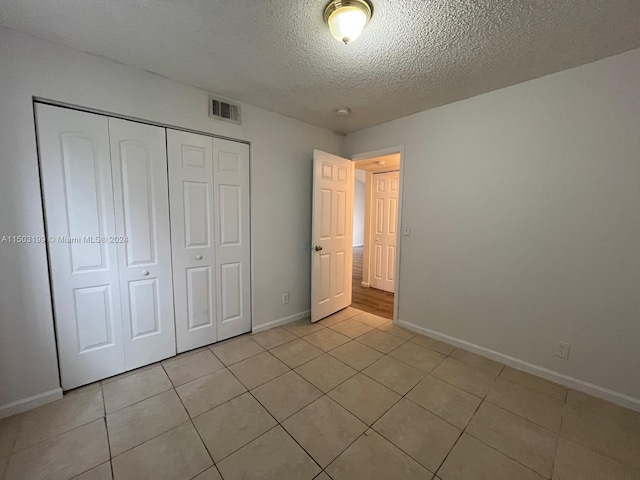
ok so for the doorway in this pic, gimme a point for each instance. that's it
(332, 231)
(375, 233)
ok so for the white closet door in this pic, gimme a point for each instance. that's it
(141, 196)
(192, 238)
(78, 197)
(233, 250)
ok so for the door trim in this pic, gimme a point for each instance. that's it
(399, 149)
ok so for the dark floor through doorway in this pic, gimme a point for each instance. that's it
(369, 299)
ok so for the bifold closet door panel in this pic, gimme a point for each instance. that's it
(141, 197)
(233, 245)
(192, 238)
(76, 177)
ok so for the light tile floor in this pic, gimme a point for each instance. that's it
(351, 397)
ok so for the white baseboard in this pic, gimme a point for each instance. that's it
(280, 321)
(566, 380)
(359, 245)
(29, 403)
(365, 284)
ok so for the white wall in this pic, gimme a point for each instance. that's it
(524, 208)
(281, 152)
(358, 210)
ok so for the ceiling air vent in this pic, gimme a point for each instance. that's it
(223, 109)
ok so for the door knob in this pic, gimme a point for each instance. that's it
(318, 248)
(145, 272)
(198, 257)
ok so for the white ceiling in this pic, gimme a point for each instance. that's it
(279, 55)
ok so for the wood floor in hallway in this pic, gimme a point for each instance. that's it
(369, 299)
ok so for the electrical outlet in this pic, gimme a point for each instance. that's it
(406, 231)
(562, 350)
(285, 298)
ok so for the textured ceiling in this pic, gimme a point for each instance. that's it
(279, 55)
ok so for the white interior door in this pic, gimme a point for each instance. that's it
(332, 232)
(385, 229)
(192, 238)
(232, 237)
(141, 198)
(78, 196)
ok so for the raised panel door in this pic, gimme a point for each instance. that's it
(232, 237)
(192, 234)
(78, 197)
(332, 225)
(141, 199)
(385, 231)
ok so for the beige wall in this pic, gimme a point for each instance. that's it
(524, 208)
(281, 152)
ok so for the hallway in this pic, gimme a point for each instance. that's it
(369, 300)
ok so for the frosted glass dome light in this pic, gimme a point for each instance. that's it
(347, 18)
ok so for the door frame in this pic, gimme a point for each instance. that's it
(399, 149)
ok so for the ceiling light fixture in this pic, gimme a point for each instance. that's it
(347, 18)
(343, 111)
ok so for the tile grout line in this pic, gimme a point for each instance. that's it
(191, 421)
(121, 376)
(444, 460)
(502, 453)
(348, 446)
(489, 402)
(482, 401)
(140, 401)
(370, 427)
(18, 428)
(239, 361)
(409, 400)
(463, 431)
(106, 427)
(201, 349)
(555, 453)
(14, 451)
(54, 436)
(278, 424)
(263, 383)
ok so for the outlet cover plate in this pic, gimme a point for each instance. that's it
(562, 350)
